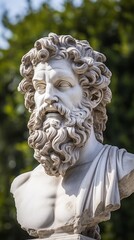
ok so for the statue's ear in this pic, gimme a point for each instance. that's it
(95, 97)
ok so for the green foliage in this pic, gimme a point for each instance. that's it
(109, 27)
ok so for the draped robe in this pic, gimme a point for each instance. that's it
(109, 179)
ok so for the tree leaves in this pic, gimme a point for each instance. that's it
(109, 27)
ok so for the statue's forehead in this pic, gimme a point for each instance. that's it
(53, 64)
(54, 69)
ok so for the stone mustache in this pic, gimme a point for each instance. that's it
(78, 181)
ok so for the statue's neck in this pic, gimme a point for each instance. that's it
(90, 150)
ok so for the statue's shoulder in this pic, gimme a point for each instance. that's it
(120, 159)
(19, 181)
(121, 151)
(24, 178)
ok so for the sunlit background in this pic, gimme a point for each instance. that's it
(109, 27)
(17, 9)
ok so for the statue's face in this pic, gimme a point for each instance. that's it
(55, 81)
(61, 121)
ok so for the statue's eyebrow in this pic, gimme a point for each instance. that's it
(38, 81)
(64, 78)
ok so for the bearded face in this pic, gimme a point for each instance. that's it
(61, 121)
(58, 136)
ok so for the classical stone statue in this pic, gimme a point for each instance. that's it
(79, 181)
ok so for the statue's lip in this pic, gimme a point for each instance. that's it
(51, 109)
(54, 115)
(51, 112)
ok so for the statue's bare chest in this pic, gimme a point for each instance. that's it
(45, 202)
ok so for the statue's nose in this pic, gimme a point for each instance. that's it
(50, 95)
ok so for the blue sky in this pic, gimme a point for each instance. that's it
(19, 7)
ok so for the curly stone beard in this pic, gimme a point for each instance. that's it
(57, 142)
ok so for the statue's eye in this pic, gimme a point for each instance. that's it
(63, 85)
(40, 87)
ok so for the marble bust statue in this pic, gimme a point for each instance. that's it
(78, 181)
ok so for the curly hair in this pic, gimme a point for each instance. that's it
(86, 63)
